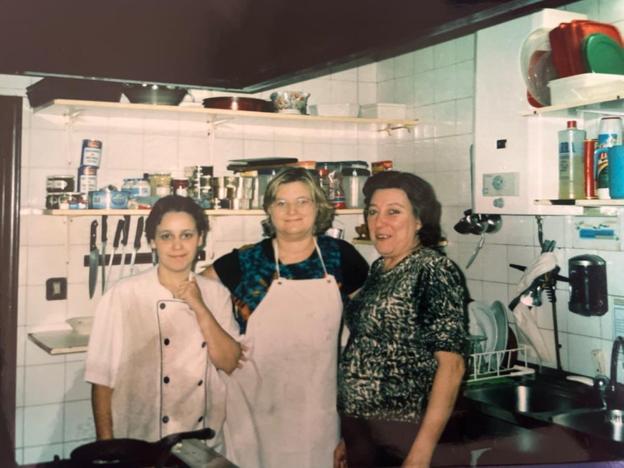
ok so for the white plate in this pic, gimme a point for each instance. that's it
(482, 322)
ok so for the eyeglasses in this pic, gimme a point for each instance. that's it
(300, 204)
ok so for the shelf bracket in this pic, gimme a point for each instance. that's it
(71, 116)
(389, 128)
(213, 124)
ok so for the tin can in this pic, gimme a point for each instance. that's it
(87, 179)
(60, 183)
(589, 147)
(91, 154)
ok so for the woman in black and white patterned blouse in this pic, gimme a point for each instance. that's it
(402, 368)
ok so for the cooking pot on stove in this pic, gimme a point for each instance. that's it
(131, 453)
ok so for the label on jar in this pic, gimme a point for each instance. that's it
(87, 183)
(91, 153)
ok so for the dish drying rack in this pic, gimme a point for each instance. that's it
(494, 364)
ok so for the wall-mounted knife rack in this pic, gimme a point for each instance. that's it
(142, 258)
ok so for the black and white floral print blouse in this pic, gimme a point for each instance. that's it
(397, 321)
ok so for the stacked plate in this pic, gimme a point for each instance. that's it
(491, 322)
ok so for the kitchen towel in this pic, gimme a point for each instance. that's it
(525, 312)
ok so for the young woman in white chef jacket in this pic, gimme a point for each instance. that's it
(159, 337)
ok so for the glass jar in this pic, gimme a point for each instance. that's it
(160, 184)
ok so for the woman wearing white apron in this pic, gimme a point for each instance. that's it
(290, 291)
(159, 337)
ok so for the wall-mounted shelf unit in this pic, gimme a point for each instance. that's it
(609, 104)
(73, 109)
(223, 212)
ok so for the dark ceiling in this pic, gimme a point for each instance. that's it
(245, 45)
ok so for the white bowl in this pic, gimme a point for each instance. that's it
(81, 325)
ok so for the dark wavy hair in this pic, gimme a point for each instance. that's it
(325, 211)
(421, 196)
(175, 203)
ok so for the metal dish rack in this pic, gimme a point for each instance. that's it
(493, 364)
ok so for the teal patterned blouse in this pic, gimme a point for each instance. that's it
(397, 321)
(248, 272)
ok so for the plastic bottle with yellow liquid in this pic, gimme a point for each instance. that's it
(571, 177)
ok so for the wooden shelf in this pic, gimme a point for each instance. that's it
(60, 341)
(348, 211)
(74, 108)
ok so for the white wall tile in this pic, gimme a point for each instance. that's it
(123, 151)
(367, 73)
(444, 54)
(55, 260)
(404, 65)
(423, 59)
(42, 453)
(51, 149)
(464, 73)
(367, 93)
(385, 70)
(444, 83)
(44, 384)
(343, 91)
(424, 87)
(385, 91)
(465, 47)
(40, 311)
(75, 386)
(79, 424)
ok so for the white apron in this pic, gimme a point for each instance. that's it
(293, 334)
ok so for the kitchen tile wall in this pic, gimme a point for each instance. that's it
(437, 86)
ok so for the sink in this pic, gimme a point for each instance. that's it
(604, 423)
(531, 398)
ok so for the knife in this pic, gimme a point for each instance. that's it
(93, 258)
(118, 231)
(103, 255)
(137, 243)
(124, 243)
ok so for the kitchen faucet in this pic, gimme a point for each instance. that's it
(618, 343)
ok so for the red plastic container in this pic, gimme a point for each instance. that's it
(566, 41)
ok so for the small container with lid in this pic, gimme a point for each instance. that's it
(136, 187)
(180, 187)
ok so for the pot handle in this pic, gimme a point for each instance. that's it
(164, 445)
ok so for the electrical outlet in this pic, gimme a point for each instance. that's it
(56, 289)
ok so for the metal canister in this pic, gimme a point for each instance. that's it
(589, 147)
(87, 179)
(60, 183)
(91, 154)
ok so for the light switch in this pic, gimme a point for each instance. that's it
(56, 289)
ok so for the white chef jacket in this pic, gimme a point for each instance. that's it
(149, 348)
